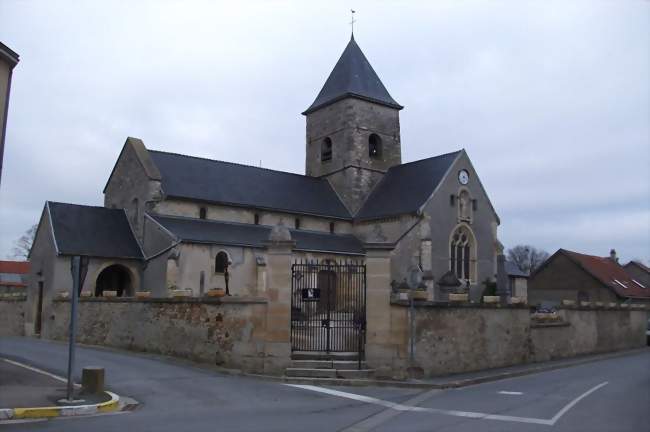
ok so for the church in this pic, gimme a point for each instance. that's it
(179, 223)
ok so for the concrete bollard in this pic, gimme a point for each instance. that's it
(92, 379)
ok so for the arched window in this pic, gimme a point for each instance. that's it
(326, 150)
(221, 262)
(461, 254)
(202, 213)
(374, 146)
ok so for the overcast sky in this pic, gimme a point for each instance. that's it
(550, 99)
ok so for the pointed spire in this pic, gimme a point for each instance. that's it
(353, 76)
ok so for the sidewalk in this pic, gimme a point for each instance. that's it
(27, 392)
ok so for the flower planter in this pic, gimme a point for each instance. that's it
(568, 302)
(598, 304)
(182, 293)
(612, 304)
(490, 299)
(143, 294)
(517, 300)
(63, 294)
(403, 295)
(86, 294)
(458, 298)
(420, 295)
(216, 292)
(109, 294)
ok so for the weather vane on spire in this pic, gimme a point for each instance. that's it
(352, 12)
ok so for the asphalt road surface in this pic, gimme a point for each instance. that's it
(610, 395)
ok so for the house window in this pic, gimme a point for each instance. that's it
(461, 254)
(326, 150)
(374, 146)
(256, 219)
(297, 223)
(221, 262)
(332, 227)
(202, 213)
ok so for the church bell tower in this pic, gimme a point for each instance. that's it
(353, 134)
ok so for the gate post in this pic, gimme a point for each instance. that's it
(386, 332)
(277, 347)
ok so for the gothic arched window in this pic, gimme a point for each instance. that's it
(374, 146)
(461, 253)
(326, 150)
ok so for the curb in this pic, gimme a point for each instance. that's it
(61, 411)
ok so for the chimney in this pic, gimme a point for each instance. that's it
(612, 255)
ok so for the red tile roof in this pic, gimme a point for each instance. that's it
(15, 267)
(609, 273)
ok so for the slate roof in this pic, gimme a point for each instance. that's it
(514, 271)
(237, 234)
(92, 231)
(353, 76)
(609, 273)
(405, 188)
(189, 177)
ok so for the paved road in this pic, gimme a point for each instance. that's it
(610, 395)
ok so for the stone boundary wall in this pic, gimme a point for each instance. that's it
(228, 332)
(464, 338)
(12, 317)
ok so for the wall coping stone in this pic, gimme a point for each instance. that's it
(535, 324)
(457, 305)
(195, 300)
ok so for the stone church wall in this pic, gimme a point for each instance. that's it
(12, 317)
(226, 332)
(244, 215)
(444, 218)
(466, 338)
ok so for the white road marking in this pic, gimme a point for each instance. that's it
(576, 400)
(37, 370)
(467, 414)
(513, 393)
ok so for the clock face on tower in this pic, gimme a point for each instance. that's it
(463, 177)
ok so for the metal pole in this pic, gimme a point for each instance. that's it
(76, 275)
(412, 329)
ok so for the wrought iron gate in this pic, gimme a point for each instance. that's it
(328, 306)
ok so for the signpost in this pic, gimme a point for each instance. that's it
(78, 268)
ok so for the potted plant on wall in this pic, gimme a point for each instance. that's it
(420, 293)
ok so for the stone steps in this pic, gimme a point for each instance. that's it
(322, 355)
(328, 364)
(332, 365)
(329, 373)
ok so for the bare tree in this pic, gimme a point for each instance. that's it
(23, 245)
(527, 258)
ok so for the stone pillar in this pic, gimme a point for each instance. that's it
(503, 290)
(277, 347)
(386, 326)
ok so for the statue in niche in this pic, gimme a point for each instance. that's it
(464, 206)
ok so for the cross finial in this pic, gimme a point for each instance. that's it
(352, 12)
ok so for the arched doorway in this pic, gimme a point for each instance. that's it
(114, 278)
